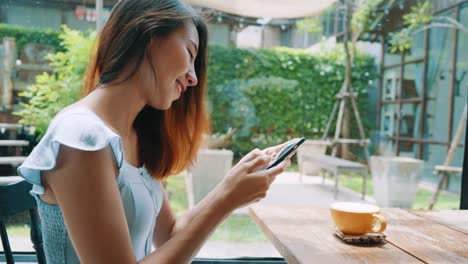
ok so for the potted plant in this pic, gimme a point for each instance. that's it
(395, 180)
(311, 147)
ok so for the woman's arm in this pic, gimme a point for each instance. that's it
(85, 187)
(167, 225)
(86, 190)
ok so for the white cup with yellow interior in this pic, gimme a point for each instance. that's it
(357, 218)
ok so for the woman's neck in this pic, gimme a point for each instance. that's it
(118, 105)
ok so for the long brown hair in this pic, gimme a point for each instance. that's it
(168, 140)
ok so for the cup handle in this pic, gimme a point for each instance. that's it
(383, 223)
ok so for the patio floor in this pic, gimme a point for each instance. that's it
(286, 190)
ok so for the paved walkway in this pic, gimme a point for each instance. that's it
(286, 190)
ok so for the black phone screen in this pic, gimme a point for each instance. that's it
(285, 152)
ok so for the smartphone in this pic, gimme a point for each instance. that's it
(284, 153)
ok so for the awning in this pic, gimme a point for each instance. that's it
(274, 9)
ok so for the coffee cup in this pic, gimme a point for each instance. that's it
(357, 218)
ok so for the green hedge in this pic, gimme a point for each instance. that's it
(269, 95)
(24, 35)
(272, 95)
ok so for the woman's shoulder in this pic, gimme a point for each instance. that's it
(80, 128)
(77, 128)
(79, 116)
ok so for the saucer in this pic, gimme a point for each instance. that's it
(368, 238)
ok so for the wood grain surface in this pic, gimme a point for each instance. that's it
(426, 239)
(305, 235)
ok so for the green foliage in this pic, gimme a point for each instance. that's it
(420, 14)
(52, 92)
(309, 25)
(362, 17)
(402, 40)
(24, 35)
(252, 106)
(272, 95)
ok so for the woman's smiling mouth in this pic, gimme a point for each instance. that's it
(182, 87)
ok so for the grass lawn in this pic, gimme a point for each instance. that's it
(445, 200)
(18, 230)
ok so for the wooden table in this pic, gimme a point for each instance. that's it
(305, 235)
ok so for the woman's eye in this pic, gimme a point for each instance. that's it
(191, 55)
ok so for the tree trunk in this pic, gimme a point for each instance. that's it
(347, 83)
(8, 63)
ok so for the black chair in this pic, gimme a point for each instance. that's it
(14, 199)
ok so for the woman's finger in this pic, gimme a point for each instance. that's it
(257, 163)
(270, 150)
(276, 149)
(272, 172)
(251, 155)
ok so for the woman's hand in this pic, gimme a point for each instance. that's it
(243, 184)
(273, 151)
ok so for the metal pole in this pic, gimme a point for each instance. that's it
(262, 44)
(453, 67)
(464, 178)
(422, 112)
(99, 6)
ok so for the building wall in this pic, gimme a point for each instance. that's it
(271, 37)
(49, 16)
(302, 40)
(72, 22)
(34, 16)
(262, 37)
(220, 34)
(44, 17)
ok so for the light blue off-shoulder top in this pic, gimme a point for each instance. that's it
(142, 195)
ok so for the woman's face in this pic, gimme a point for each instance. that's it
(173, 60)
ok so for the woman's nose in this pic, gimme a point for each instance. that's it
(192, 78)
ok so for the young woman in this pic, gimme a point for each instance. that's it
(96, 172)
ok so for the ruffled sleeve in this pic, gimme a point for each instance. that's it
(84, 131)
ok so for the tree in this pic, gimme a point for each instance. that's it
(362, 19)
(360, 22)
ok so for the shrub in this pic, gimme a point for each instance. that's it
(304, 109)
(24, 35)
(52, 92)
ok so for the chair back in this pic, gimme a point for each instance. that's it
(15, 199)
